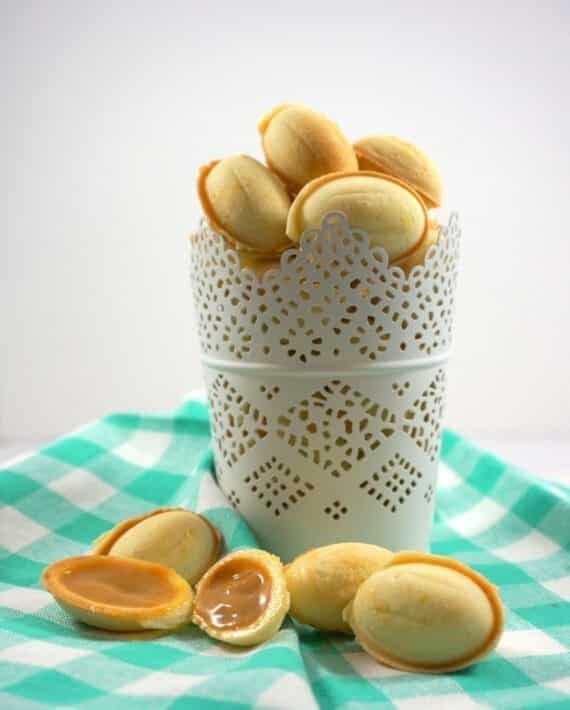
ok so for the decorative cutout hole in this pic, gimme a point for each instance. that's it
(270, 391)
(336, 510)
(234, 499)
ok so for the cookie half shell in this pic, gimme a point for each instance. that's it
(119, 594)
(243, 599)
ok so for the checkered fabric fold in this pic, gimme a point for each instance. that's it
(510, 527)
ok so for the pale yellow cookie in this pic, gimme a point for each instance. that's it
(173, 537)
(300, 145)
(391, 214)
(425, 613)
(393, 156)
(324, 580)
(417, 257)
(246, 203)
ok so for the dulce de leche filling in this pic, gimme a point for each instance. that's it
(234, 596)
(121, 585)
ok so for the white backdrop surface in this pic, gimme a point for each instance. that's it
(108, 109)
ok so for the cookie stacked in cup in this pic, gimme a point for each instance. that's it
(384, 185)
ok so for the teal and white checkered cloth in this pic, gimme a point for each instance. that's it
(510, 527)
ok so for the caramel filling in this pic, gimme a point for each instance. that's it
(119, 585)
(235, 595)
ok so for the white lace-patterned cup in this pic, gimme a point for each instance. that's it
(326, 383)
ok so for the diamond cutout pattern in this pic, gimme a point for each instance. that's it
(277, 487)
(336, 510)
(395, 482)
(422, 421)
(348, 424)
(236, 424)
(234, 499)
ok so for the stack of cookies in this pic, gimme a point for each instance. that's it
(385, 186)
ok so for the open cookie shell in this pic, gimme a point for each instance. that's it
(119, 594)
(272, 611)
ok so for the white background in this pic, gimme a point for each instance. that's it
(108, 109)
